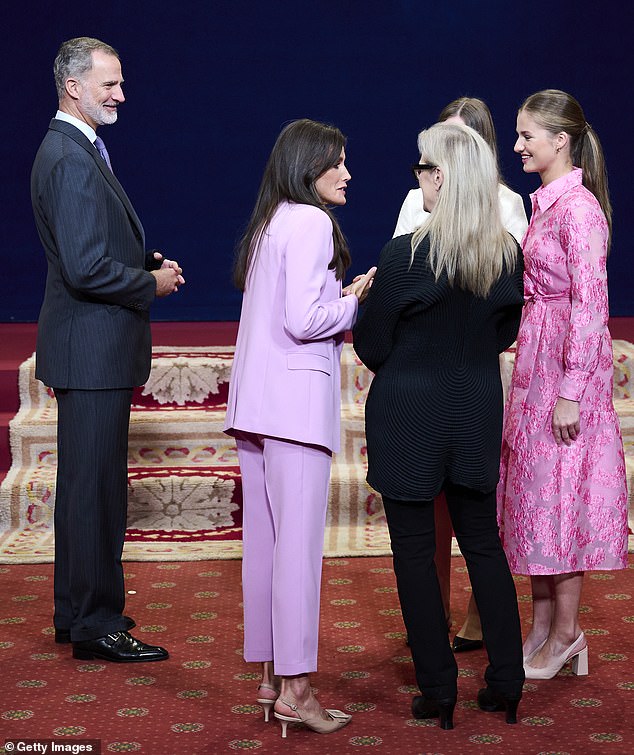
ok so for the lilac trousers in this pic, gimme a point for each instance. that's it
(285, 496)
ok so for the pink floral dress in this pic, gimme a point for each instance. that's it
(563, 508)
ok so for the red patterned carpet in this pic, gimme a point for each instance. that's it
(200, 701)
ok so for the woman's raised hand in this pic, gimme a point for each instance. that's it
(360, 285)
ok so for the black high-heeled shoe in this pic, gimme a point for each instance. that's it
(491, 701)
(428, 707)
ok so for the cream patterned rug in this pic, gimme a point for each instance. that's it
(184, 481)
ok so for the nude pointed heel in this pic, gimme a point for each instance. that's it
(266, 702)
(285, 722)
(266, 705)
(338, 719)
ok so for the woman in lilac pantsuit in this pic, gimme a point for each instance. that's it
(284, 404)
(562, 495)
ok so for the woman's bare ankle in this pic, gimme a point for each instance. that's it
(532, 642)
(296, 688)
(269, 677)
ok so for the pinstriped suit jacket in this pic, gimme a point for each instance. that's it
(93, 329)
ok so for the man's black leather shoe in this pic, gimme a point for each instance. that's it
(62, 636)
(120, 647)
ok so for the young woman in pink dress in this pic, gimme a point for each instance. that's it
(562, 495)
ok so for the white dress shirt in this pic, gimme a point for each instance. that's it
(86, 130)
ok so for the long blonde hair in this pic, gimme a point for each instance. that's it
(467, 240)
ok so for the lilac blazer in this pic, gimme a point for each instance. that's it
(286, 377)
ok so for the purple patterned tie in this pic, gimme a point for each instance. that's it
(101, 148)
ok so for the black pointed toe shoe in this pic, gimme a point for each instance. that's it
(428, 707)
(462, 644)
(120, 647)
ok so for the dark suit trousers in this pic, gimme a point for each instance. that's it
(412, 533)
(91, 502)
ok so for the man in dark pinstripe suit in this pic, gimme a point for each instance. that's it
(93, 346)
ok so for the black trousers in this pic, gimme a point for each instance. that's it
(91, 501)
(412, 533)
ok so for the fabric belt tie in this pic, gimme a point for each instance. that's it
(550, 298)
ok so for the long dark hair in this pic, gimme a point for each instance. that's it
(304, 150)
(558, 111)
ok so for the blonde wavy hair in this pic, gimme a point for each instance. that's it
(467, 240)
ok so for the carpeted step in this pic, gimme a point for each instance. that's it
(184, 481)
(9, 392)
(5, 446)
(178, 511)
(18, 343)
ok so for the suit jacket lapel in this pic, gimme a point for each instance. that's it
(76, 135)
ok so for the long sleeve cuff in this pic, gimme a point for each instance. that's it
(574, 384)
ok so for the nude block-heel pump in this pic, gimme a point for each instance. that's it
(577, 653)
(580, 663)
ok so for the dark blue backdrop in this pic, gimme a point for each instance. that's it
(210, 84)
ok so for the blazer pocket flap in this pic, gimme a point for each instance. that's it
(306, 360)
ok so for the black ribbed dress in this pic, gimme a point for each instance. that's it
(434, 409)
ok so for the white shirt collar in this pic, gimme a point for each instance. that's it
(89, 132)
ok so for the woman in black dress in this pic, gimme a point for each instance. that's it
(445, 302)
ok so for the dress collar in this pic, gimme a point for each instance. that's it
(546, 196)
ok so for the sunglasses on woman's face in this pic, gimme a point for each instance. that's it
(418, 168)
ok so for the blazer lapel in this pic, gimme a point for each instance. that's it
(76, 135)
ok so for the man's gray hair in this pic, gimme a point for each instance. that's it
(74, 58)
